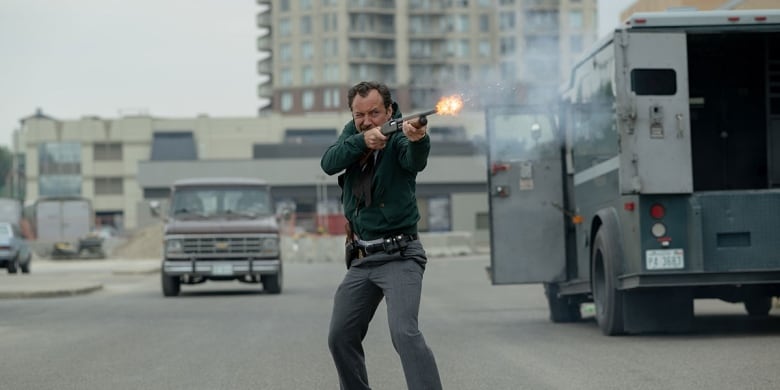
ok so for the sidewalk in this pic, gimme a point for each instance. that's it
(57, 278)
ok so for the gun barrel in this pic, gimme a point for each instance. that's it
(394, 125)
(420, 115)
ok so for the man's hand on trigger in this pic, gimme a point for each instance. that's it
(374, 138)
(414, 130)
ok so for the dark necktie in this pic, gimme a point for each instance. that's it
(362, 186)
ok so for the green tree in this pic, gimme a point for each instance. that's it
(6, 163)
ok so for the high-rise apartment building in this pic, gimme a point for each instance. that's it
(487, 50)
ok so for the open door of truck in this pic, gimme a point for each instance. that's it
(525, 179)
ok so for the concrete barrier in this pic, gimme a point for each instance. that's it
(312, 248)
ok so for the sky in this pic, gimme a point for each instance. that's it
(165, 58)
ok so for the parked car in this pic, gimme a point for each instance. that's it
(15, 253)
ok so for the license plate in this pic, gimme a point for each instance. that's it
(664, 259)
(222, 269)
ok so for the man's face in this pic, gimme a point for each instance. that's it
(369, 112)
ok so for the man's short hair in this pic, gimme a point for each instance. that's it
(364, 87)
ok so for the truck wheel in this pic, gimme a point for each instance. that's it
(562, 309)
(272, 284)
(758, 306)
(13, 265)
(607, 298)
(171, 285)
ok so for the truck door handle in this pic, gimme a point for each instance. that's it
(680, 127)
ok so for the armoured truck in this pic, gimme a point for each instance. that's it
(654, 181)
(221, 229)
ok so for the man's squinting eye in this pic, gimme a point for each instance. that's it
(372, 114)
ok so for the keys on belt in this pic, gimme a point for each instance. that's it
(389, 244)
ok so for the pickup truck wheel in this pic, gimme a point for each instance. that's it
(272, 284)
(171, 285)
(607, 298)
(13, 264)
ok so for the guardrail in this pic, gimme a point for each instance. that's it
(311, 248)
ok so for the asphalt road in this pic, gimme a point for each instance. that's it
(232, 336)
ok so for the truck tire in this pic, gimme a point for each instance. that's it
(171, 285)
(562, 309)
(607, 298)
(758, 306)
(272, 283)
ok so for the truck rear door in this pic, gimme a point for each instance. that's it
(655, 140)
(77, 218)
(525, 179)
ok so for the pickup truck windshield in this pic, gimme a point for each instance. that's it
(220, 201)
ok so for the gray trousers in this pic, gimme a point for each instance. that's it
(400, 282)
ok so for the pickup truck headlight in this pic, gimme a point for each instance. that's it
(173, 246)
(270, 245)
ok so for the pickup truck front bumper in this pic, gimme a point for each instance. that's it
(221, 268)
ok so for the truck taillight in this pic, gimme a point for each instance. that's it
(657, 211)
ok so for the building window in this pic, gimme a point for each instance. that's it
(285, 52)
(484, 23)
(331, 72)
(284, 27)
(59, 185)
(508, 71)
(107, 151)
(307, 51)
(286, 78)
(173, 146)
(330, 48)
(109, 186)
(330, 97)
(307, 100)
(575, 20)
(59, 158)
(458, 23)
(507, 46)
(59, 169)
(287, 101)
(484, 48)
(306, 25)
(575, 44)
(307, 75)
(284, 5)
(506, 21)
(329, 22)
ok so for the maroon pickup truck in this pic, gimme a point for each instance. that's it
(221, 229)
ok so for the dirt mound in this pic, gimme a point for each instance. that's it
(143, 243)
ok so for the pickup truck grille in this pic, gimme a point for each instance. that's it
(223, 245)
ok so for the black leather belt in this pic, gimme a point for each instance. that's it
(389, 244)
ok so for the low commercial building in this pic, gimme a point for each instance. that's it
(123, 163)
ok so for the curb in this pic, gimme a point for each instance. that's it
(149, 271)
(62, 292)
